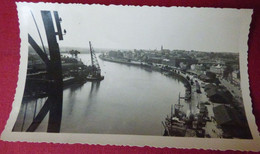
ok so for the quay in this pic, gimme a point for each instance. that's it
(209, 118)
(37, 82)
(211, 103)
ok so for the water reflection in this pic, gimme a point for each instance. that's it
(92, 95)
(72, 95)
(94, 87)
(130, 100)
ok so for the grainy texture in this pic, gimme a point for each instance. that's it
(9, 62)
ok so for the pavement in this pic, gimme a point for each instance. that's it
(211, 128)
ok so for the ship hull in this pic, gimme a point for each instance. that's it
(93, 78)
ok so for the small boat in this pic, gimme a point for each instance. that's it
(91, 77)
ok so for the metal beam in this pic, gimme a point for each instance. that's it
(40, 116)
(57, 19)
(55, 72)
(53, 104)
(39, 51)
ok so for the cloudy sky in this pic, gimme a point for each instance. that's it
(129, 27)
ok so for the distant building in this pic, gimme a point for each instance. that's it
(176, 61)
(166, 61)
(218, 95)
(170, 62)
(209, 77)
(128, 55)
(231, 123)
(217, 69)
(197, 67)
(226, 116)
(165, 52)
(154, 60)
(183, 66)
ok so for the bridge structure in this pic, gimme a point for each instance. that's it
(52, 60)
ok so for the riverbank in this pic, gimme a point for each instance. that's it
(199, 117)
(169, 71)
(121, 61)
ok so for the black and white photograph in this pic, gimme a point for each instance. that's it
(163, 72)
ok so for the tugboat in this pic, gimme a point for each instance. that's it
(95, 74)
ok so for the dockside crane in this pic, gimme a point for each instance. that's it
(95, 74)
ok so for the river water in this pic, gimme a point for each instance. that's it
(130, 100)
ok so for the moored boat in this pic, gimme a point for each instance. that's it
(94, 78)
(175, 125)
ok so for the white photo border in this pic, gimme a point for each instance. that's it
(132, 140)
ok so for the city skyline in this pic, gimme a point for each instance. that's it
(86, 50)
(130, 27)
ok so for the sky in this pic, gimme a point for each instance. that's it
(130, 27)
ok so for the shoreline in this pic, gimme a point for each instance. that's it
(173, 72)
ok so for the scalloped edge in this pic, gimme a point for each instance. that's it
(132, 140)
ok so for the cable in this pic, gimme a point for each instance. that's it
(38, 31)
